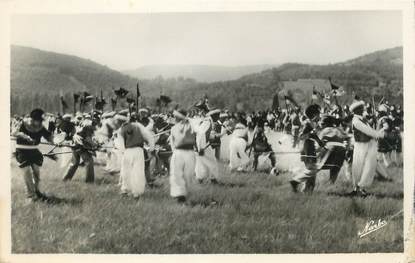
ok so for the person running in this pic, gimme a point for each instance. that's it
(309, 151)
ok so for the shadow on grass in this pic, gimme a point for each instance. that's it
(154, 185)
(206, 203)
(398, 196)
(54, 200)
(104, 180)
(230, 185)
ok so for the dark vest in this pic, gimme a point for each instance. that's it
(214, 138)
(69, 128)
(360, 136)
(132, 136)
(209, 131)
(35, 135)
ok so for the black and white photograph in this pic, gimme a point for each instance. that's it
(217, 132)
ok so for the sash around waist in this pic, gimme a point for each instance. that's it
(335, 144)
(22, 146)
(185, 147)
(133, 146)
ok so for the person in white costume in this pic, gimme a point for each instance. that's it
(109, 131)
(182, 163)
(68, 129)
(238, 158)
(226, 137)
(133, 136)
(365, 150)
(206, 162)
(148, 122)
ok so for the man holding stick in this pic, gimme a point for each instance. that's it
(84, 148)
(28, 135)
(365, 150)
(206, 162)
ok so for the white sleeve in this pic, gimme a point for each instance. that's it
(223, 130)
(171, 137)
(148, 137)
(103, 131)
(194, 123)
(150, 124)
(201, 135)
(121, 143)
(366, 129)
(204, 126)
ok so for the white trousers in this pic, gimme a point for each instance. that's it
(114, 161)
(397, 158)
(182, 171)
(347, 171)
(206, 165)
(238, 159)
(133, 179)
(381, 167)
(386, 158)
(115, 158)
(364, 163)
(65, 158)
(224, 147)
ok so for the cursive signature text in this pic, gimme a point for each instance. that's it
(372, 226)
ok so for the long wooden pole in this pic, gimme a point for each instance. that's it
(60, 102)
(94, 102)
(136, 97)
(74, 105)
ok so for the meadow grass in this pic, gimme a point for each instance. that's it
(248, 213)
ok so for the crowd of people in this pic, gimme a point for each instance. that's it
(188, 144)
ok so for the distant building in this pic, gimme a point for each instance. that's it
(302, 89)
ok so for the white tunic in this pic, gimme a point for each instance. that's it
(206, 165)
(238, 158)
(364, 154)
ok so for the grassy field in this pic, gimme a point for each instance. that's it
(248, 213)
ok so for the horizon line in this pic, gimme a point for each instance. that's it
(213, 65)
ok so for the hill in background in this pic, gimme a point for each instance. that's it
(375, 75)
(40, 71)
(200, 73)
(388, 56)
(39, 77)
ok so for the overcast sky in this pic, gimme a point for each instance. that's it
(128, 41)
